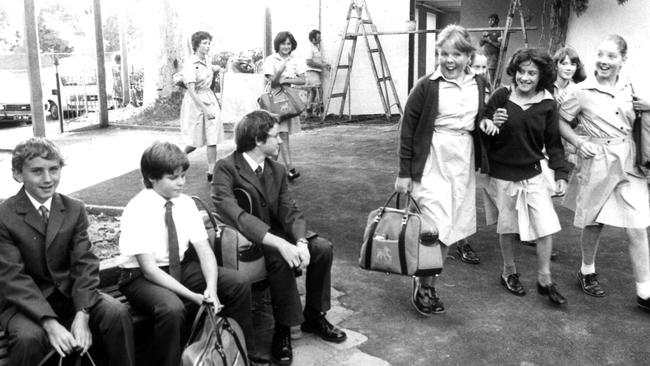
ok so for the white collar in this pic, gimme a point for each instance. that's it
(196, 59)
(253, 164)
(37, 205)
(469, 74)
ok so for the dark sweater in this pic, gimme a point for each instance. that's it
(514, 153)
(417, 127)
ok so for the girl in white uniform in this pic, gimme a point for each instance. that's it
(607, 188)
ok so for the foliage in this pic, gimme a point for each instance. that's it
(112, 33)
(58, 24)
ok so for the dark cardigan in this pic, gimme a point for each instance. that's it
(417, 126)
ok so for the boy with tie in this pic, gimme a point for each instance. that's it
(48, 275)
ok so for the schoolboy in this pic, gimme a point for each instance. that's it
(158, 276)
(48, 275)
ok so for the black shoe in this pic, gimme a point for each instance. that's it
(590, 284)
(293, 174)
(513, 285)
(553, 294)
(420, 302)
(258, 361)
(437, 307)
(209, 177)
(324, 329)
(467, 254)
(281, 352)
(643, 304)
(531, 243)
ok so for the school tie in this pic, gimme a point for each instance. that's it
(45, 213)
(172, 241)
(260, 175)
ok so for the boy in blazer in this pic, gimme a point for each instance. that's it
(276, 222)
(49, 278)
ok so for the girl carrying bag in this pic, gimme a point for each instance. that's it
(395, 241)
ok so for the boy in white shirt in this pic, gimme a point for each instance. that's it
(158, 276)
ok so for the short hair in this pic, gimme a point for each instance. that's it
(35, 147)
(253, 128)
(283, 36)
(494, 16)
(313, 34)
(198, 37)
(541, 59)
(572, 54)
(619, 41)
(478, 52)
(459, 38)
(159, 159)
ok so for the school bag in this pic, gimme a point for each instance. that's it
(231, 248)
(214, 341)
(396, 241)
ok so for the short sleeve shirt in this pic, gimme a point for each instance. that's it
(602, 111)
(198, 71)
(314, 54)
(144, 230)
(457, 102)
(293, 69)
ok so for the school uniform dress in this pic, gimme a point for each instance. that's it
(608, 188)
(143, 231)
(294, 68)
(522, 201)
(437, 143)
(196, 129)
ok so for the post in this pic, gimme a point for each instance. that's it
(268, 29)
(34, 69)
(124, 27)
(58, 93)
(101, 68)
(411, 64)
(422, 43)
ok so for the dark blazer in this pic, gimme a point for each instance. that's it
(273, 210)
(34, 263)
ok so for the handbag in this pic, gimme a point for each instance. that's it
(284, 101)
(231, 248)
(641, 137)
(214, 341)
(77, 359)
(395, 241)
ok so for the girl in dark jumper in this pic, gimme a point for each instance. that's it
(521, 121)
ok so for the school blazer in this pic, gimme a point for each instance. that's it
(34, 262)
(273, 210)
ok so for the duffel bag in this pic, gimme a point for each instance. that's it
(395, 241)
(231, 248)
(214, 341)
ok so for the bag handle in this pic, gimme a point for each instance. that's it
(223, 323)
(77, 362)
(217, 252)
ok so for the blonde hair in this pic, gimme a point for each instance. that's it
(458, 37)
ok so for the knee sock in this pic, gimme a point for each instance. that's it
(643, 289)
(588, 268)
(544, 279)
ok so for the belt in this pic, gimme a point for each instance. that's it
(451, 131)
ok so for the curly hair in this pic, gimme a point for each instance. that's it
(35, 147)
(283, 36)
(541, 59)
(198, 37)
(572, 54)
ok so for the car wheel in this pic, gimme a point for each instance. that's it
(54, 111)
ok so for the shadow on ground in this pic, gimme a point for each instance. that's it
(349, 170)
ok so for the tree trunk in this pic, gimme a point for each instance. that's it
(559, 22)
(165, 49)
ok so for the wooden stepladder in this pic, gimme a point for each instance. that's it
(385, 86)
(515, 5)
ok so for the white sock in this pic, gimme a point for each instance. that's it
(643, 289)
(586, 269)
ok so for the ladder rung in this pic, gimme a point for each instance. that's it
(343, 66)
(350, 37)
(337, 95)
(379, 80)
(374, 50)
(366, 21)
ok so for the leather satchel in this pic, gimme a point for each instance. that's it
(284, 101)
(231, 248)
(641, 137)
(214, 341)
(396, 241)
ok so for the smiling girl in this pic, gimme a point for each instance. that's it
(438, 134)
(521, 121)
(608, 189)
